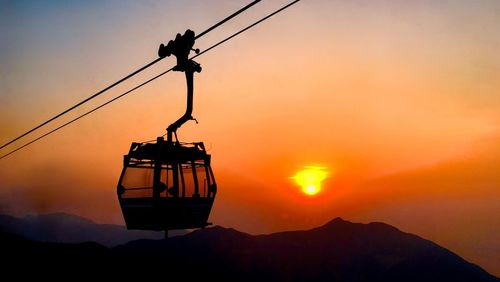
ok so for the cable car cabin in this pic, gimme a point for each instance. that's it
(166, 185)
(169, 185)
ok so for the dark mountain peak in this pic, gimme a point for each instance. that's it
(337, 220)
(68, 228)
(217, 229)
(218, 233)
(340, 224)
(59, 218)
(336, 223)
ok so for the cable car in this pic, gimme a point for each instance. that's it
(168, 184)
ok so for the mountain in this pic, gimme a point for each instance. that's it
(337, 251)
(66, 228)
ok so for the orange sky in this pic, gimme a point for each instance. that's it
(399, 99)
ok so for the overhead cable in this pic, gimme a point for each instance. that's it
(148, 81)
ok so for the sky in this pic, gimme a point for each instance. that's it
(398, 100)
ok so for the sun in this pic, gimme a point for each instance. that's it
(310, 179)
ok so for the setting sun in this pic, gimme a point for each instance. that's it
(310, 179)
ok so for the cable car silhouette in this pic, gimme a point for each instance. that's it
(167, 184)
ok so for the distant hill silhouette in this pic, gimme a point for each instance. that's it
(337, 251)
(66, 228)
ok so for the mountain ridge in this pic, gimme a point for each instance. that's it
(68, 228)
(379, 251)
(339, 250)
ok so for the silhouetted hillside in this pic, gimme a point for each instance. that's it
(336, 251)
(66, 228)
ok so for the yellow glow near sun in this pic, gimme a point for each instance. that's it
(310, 179)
